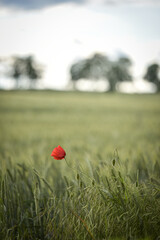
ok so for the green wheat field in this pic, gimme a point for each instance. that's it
(110, 188)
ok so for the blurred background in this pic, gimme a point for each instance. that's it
(55, 49)
(85, 45)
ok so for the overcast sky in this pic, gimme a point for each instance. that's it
(59, 32)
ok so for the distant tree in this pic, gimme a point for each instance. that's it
(77, 70)
(25, 67)
(119, 72)
(32, 70)
(99, 66)
(18, 69)
(152, 75)
(93, 68)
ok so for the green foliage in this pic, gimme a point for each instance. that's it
(99, 66)
(95, 67)
(26, 67)
(119, 72)
(110, 188)
(152, 75)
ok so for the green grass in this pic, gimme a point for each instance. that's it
(111, 189)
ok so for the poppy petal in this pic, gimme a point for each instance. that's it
(58, 153)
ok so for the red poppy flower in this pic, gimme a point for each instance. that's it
(58, 153)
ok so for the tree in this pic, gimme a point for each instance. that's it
(152, 75)
(119, 72)
(77, 70)
(25, 67)
(18, 69)
(32, 70)
(99, 66)
(94, 68)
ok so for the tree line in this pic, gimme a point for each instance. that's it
(96, 67)
(26, 67)
(101, 67)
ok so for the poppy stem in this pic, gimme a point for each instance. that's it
(67, 162)
(74, 169)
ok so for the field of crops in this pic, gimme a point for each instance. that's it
(109, 188)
